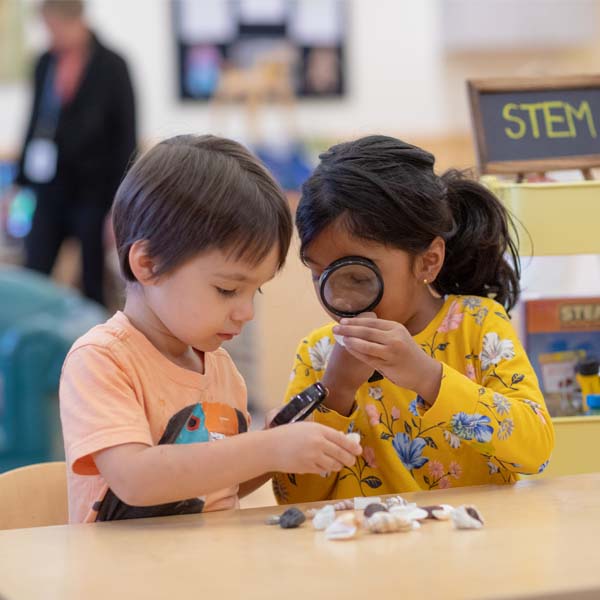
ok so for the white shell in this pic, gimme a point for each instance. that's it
(347, 504)
(387, 522)
(339, 339)
(410, 511)
(361, 502)
(340, 530)
(461, 518)
(354, 436)
(272, 520)
(443, 513)
(394, 501)
(324, 517)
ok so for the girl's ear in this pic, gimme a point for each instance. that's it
(142, 265)
(429, 263)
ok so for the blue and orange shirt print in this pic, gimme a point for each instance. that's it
(197, 423)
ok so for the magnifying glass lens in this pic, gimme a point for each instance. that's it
(350, 289)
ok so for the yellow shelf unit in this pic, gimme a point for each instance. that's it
(559, 218)
(555, 219)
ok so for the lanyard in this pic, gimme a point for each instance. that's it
(49, 110)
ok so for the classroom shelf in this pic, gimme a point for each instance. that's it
(560, 218)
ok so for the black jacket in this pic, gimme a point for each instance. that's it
(96, 132)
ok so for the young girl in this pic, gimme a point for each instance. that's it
(200, 226)
(459, 403)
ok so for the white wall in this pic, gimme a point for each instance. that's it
(394, 73)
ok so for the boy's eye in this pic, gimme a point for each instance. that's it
(227, 293)
(260, 290)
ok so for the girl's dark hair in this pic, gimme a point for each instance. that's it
(385, 190)
(191, 194)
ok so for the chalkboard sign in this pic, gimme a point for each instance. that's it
(529, 125)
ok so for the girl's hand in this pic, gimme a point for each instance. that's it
(344, 374)
(307, 447)
(388, 347)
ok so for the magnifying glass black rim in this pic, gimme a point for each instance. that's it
(344, 262)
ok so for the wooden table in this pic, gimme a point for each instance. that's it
(541, 539)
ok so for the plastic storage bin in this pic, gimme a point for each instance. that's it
(39, 321)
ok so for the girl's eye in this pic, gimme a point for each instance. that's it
(226, 293)
(260, 291)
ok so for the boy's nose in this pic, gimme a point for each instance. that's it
(244, 312)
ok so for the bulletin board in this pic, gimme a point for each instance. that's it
(211, 35)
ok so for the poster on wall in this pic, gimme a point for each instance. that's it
(252, 41)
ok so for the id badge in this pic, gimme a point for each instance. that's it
(41, 157)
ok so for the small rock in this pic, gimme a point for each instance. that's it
(372, 508)
(291, 518)
(272, 520)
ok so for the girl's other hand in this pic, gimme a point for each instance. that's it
(388, 347)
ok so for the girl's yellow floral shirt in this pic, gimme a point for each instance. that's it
(488, 424)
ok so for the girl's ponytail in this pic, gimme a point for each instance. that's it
(386, 190)
(481, 255)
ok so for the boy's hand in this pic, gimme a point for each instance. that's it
(307, 447)
(388, 347)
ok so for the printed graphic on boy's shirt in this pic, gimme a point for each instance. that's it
(197, 423)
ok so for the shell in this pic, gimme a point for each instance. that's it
(371, 509)
(440, 512)
(272, 520)
(354, 436)
(339, 339)
(395, 501)
(347, 504)
(350, 518)
(467, 517)
(388, 522)
(340, 530)
(324, 517)
(410, 511)
(341, 505)
(360, 503)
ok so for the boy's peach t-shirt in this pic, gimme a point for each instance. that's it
(117, 388)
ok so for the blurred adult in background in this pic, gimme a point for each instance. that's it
(80, 139)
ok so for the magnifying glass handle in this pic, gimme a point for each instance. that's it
(377, 376)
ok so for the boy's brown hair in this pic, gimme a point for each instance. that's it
(192, 194)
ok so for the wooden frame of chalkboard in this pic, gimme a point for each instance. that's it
(501, 153)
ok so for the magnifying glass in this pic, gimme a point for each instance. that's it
(301, 405)
(350, 286)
